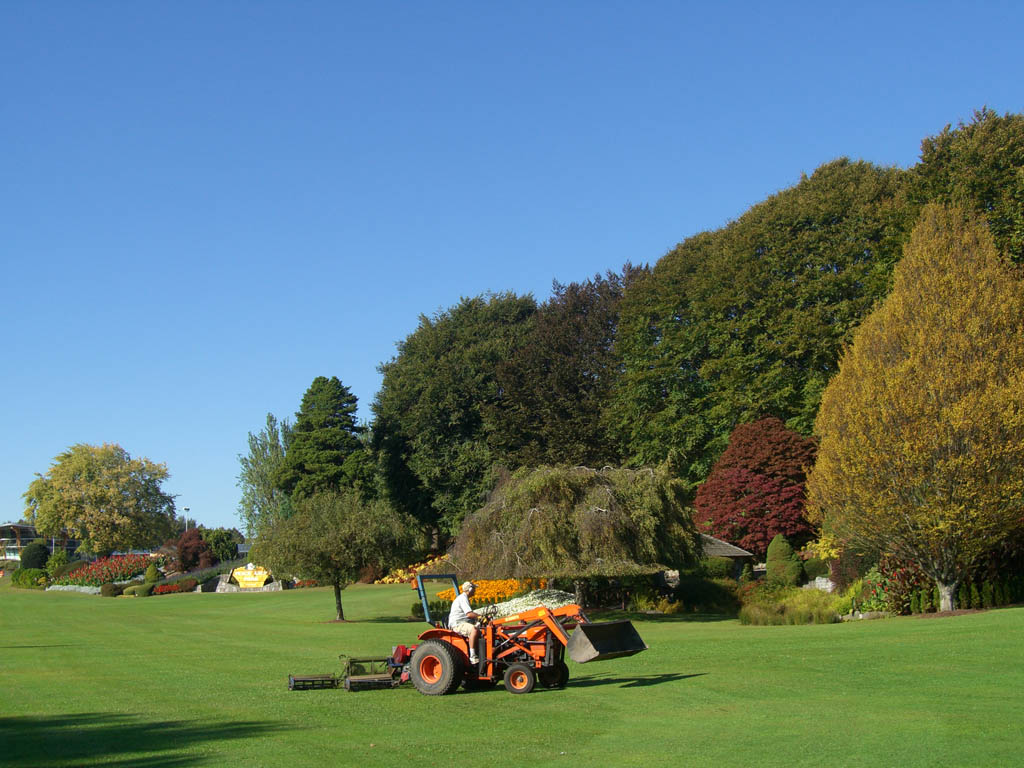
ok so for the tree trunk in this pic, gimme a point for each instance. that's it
(337, 601)
(578, 584)
(947, 596)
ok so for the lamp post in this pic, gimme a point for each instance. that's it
(186, 517)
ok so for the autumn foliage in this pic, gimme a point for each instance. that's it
(922, 429)
(756, 489)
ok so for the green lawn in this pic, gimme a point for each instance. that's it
(185, 680)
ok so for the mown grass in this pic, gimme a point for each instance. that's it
(200, 679)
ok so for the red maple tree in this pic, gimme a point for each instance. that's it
(756, 489)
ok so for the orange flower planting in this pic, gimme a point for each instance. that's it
(497, 590)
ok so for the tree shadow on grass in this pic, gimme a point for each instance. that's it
(63, 741)
(640, 681)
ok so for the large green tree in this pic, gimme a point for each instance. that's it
(555, 387)
(979, 166)
(333, 537)
(102, 496)
(262, 501)
(922, 429)
(749, 319)
(324, 436)
(432, 430)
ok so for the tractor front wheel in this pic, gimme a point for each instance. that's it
(435, 668)
(519, 678)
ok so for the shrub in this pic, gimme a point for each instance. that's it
(924, 597)
(152, 573)
(57, 561)
(667, 606)
(70, 567)
(719, 567)
(774, 605)
(975, 597)
(815, 567)
(783, 566)
(747, 574)
(111, 590)
(187, 585)
(34, 555)
(902, 580)
(848, 567)
(936, 598)
(29, 578)
(223, 542)
(643, 600)
(143, 590)
(701, 595)
(915, 603)
(874, 595)
(194, 551)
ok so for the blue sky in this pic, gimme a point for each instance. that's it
(205, 205)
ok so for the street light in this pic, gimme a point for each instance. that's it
(186, 517)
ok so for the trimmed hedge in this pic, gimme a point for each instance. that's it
(815, 567)
(111, 590)
(139, 590)
(34, 556)
(783, 567)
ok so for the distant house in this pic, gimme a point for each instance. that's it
(16, 536)
(717, 548)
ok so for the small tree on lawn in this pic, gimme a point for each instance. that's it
(756, 489)
(922, 429)
(333, 536)
(194, 551)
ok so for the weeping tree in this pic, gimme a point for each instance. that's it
(922, 429)
(574, 522)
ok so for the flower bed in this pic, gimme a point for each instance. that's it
(499, 589)
(408, 573)
(106, 570)
(185, 585)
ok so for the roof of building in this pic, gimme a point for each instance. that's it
(23, 526)
(717, 548)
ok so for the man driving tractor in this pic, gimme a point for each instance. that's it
(462, 619)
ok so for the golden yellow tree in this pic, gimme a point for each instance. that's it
(922, 428)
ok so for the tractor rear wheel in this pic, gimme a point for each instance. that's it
(555, 676)
(519, 678)
(435, 668)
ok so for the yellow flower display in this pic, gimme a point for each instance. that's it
(497, 589)
(407, 574)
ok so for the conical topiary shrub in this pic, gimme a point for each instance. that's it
(783, 567)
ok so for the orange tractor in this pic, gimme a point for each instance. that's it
(521, 650)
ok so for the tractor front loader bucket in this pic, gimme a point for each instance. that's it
(604, 640)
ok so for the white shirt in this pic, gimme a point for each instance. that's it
(459, 610)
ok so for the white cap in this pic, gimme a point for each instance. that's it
(468, 585)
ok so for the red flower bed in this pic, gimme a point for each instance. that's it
(106, 570)
(165, 589)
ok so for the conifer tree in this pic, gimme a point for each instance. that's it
(324, 435)
(922, 430)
